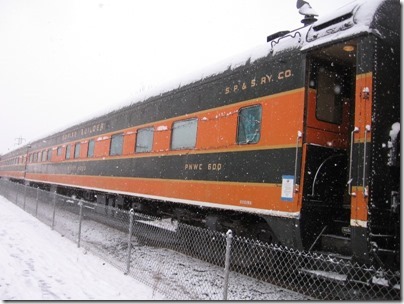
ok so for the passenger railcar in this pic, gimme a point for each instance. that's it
(300, 145)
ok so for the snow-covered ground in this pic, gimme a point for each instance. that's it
(39, 264)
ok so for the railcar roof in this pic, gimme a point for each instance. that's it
(353, 19)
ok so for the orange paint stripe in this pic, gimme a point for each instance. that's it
(12, 174)
(285, 101)
(359, 205)
(246, 195)
(363, 107)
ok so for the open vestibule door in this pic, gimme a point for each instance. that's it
(328, 165)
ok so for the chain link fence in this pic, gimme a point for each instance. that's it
(189, 263)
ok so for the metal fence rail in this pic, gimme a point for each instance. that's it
(190, 263)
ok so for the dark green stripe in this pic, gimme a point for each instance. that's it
(260, 166)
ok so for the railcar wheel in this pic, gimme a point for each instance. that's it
(265, 234)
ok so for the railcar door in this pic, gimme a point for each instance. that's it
(326, 150)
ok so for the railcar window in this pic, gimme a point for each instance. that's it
(49, 154)
(334, 83)
(249, 125)
(329, 102)
(116, 144)
(77, 150)
(68, 152)
(59, 151)
(184, 134)
(39, 156)
(90, 152)
(144, 140)
(44, 155)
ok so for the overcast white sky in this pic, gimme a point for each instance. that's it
(63, 61)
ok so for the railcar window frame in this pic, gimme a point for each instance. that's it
(330, 96)
(49, 154)
(91, 145)
(68, 152)
(248, 122)
(144, 140)
(328, 101)
(77, 148)
(116, 144)
(44, 156)
(184, 134)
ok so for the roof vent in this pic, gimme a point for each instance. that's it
(331, 25)
(332, 22)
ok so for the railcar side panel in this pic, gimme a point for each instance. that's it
(302, 145)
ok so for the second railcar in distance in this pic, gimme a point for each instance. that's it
(299, 145)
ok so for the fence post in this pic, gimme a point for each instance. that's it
(54, 210)
(229, 238)
(80, 219)
(131, 214)
(16, 196)
(37, 200)
(25, 195)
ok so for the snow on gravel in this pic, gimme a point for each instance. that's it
(39, 264)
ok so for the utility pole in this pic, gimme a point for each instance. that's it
(19, 141)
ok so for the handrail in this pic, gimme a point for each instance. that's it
(318, 237)
(365, 190)
(349, 183)
(319, 168)
(299, 135)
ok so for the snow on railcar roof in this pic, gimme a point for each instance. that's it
(362, 14)
(348, 21)
(362, 11)
(359, 15)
